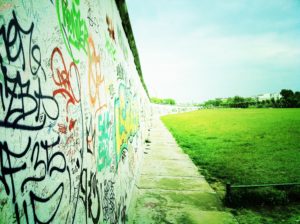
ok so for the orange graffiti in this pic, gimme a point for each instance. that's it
(110, 28)
(5, 6)
(95, 78)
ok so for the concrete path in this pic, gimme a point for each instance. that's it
(170, 188)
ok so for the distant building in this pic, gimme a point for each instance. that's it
(268, 96)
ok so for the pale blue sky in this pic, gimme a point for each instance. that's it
(194, 50)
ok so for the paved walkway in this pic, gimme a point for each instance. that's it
(170, 188)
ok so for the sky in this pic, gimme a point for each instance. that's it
(195, 50)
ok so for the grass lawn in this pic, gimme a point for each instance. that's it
(244, 146)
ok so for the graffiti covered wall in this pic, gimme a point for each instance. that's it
(72, 112)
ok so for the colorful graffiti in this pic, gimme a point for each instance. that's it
(63, 80)
(69, 113)
(95, 78)
(110, 28)
(72, 26)
(126, 120)
(104, 126)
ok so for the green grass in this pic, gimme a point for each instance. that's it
(243, 146)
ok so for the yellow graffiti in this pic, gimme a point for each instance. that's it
(126, 122)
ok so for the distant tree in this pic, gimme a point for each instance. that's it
(273, 102)
(229, 102)
(169, 101)
(213, 103)
(297, 99)
(286, 93)
(239, 102)
(251, 101)
(218, 102)
(155, 100)
(287, 98)
(162, 101)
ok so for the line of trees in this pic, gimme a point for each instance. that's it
(288, 99)
(162, 101)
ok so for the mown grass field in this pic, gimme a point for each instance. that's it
(244, 146)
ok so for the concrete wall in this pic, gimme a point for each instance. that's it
(72, 112)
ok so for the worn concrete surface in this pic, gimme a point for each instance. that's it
(170, 188)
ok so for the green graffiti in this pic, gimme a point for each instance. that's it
(104, 159)
(1, 77)
(72, 27)
(110, 47)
